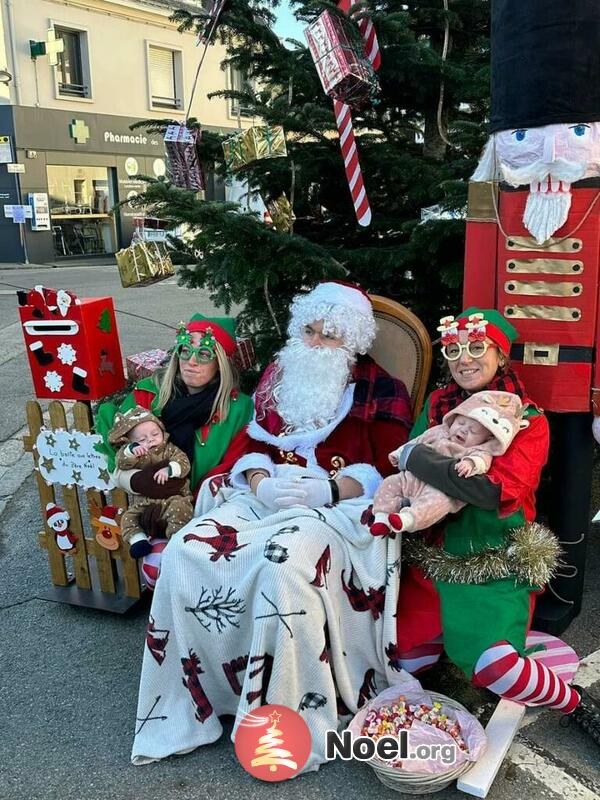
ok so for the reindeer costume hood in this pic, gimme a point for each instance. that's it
(123, 423)
(500, 412)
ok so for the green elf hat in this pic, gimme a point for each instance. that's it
(220, 328)
(488, 323)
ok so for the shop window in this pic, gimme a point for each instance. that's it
(81, 199)
(165, 77)
(240, 82)
(72, 71)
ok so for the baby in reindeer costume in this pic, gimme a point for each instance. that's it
(481, 427)
(144, 441)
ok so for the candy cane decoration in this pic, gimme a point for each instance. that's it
(367, 32)
(343, 118)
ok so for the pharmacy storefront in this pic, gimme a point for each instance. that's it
(71, 170)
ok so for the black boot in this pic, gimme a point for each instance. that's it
(586, 714)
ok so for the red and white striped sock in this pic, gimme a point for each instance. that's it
(422, 656)
(522, 679)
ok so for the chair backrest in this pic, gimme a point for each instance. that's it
(402, 347)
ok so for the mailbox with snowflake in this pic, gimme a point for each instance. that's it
(72, 344)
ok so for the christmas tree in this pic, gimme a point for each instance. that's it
(269, 753)
(418, 142)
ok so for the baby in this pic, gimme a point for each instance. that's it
(481, 427)
(144, 441)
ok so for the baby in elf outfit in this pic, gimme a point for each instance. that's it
(481, 427)
(144, 441)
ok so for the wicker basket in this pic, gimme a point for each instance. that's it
(421, 782)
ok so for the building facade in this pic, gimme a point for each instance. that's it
(65, 126)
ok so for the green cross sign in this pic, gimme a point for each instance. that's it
(51, 47)
(54, 46)
(79, 131)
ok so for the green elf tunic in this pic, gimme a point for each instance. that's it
(217, 446)
(473, 616)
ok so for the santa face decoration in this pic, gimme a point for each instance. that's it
(549, 159)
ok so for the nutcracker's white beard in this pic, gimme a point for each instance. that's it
(308, 389)
(549, 198)
(545, 213)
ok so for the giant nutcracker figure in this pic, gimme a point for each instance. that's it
(532, 249)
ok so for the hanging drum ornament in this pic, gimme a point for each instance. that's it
(185, 168)
(346, 73)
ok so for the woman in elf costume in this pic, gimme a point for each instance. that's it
(196, 397)
(471, 590)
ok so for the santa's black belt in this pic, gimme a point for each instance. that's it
(534, 353)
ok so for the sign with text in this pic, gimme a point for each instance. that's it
(14, 168)
(5, 150)
(70, 459)
(18, 214)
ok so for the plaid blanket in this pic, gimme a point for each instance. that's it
(295, 607)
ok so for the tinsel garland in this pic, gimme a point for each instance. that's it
(531, 556)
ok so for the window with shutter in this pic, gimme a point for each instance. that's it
(163, 78)
(70, 68)
(240, 83)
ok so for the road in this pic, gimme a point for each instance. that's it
(68, 676)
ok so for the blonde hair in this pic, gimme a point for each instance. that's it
(228, 381)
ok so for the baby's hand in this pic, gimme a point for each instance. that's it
(465, 467)
(140, 450)
(162, 475)
(394, 457)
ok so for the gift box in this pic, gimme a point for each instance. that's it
(245, 357)
(185, 169)
(254, 144)
(281, 213)
(142, 365)
(345, 72)
(144, 262)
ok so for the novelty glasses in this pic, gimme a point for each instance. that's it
(477, 349)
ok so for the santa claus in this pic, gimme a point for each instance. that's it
(279, 560)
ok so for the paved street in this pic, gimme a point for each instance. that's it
(68, 676)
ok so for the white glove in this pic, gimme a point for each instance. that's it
(279, 493)
(317, 491)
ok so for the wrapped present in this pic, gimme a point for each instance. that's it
(345, 72)
(144, 262)
(245, 357)
(236, 151)
(281, 213)
(185, 168)
(258, 142)
(142, 365)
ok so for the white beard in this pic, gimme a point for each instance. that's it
(312, 381)
(545, 213)
(549, 198)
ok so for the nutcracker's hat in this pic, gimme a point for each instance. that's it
(545, 63)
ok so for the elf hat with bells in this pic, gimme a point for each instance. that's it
(125, 422)
(500, 412)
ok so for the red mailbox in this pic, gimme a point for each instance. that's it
(72, 344)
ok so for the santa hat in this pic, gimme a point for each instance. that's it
(345, 309)
(109, 516)
(500, 412)
(55, 513)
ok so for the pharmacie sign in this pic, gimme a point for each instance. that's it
(129, 138)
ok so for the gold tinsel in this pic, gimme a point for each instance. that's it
(531, 555)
